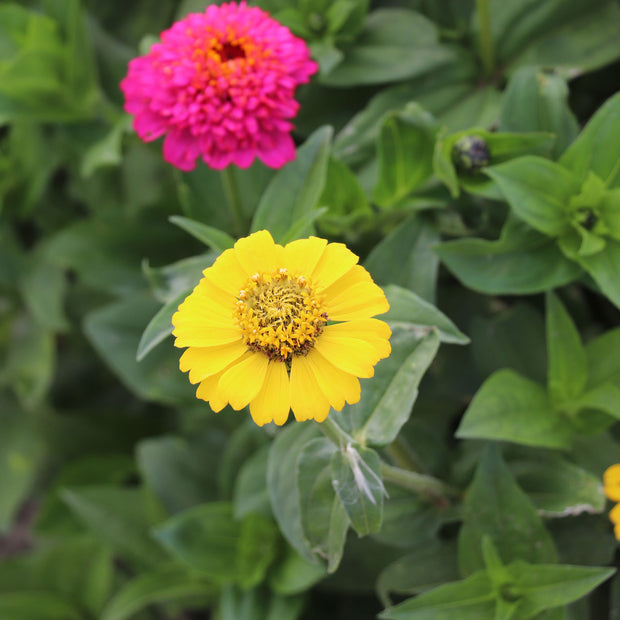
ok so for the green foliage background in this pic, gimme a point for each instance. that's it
(467, 482)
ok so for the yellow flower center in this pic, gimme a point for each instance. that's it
(280, 315)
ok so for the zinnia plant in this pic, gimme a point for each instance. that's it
(282, 327)
(220, 85)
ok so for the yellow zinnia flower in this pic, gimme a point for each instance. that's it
(282, 328)
(611, 482)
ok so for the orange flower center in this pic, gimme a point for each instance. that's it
(279, 315)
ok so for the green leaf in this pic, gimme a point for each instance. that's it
(357, 480)
(428, 565)
(257, 604)
(116, 516)
(410, 312)
(386, 401)
(538, 192)
(159, 327)
(568, 371)
(293, 574)
(521, 261)
(538, 101)
(546, 586)
(509, 407)
(405, 257)
(208, 540)
(348, 207)
(114, 330)
(164, 585)
(595, 150)
(395, 44)
(180, 471)
(250, 493)
(405, 150)
(216, 239)
(470, 599)
(604, 267)
(496, 507)
(20, 452)
(510, 339)
(295, 189)
(324, 519)
(283, 488)
(576, 36)
(604, 397)
(170, 281)
(603, 353)
(42, 606)
(557, 487)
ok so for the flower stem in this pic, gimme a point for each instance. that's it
(403, 455)
(332, 431)
(431, 488)
(487, 52)
(233, 198)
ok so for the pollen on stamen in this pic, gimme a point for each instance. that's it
(279, 315)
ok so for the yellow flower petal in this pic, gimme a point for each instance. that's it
(204, 361)
(207, 390)
(360, 301)
(335, 261)
(356, 274)
(611, 482)
(373, 331)
(349, 354)
(301, 256)
(227, 273)
(242, 382)
(617, 531)
(273, 402)
(307, 400)
(337, 385)
(258, 253)
(614, 514)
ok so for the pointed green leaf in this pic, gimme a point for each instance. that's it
(357, 480)
(470, 599)
(116, 516)
(39, 606)
(596, 148)
(603, 354)
(538, 192)
(604, 267)
(509, 407)
(521, 261)
(283, 487)
(405, 149)
(386, 401)
(406, 257)
(294, 575)
(216, 239)
(324, 520)
(496, 507)
(295, 189)
(409, 311)
(544, 586)
(164, 585)
(567, 371)
(538, 101)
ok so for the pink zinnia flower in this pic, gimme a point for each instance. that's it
(220, 85)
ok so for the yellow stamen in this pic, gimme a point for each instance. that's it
(279, 315)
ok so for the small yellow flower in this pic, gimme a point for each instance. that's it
(282, 328)
(611, 482)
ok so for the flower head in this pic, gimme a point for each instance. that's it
(220, 85)
(282, 328)
(611, 484)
